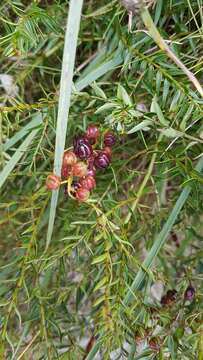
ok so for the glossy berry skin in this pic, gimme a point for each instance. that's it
(79, 169)
(102, 160)
(69, 158)
(66, 171)
(109, 139)
(82, 148)
(88, 183)
(92, 133)
(91, 172)
(189, 293)
(108, 151)
(53, 182)
(82, 194)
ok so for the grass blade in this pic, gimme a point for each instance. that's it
(159, 242)
(153, 252)
(16, 157)
(36, 121)
(71, 37)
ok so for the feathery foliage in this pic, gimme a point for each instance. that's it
(97, 288)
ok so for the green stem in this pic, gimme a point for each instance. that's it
(156, 36)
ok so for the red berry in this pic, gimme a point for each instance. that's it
(88, 183)
(91, 172)
(109, 138)
(79, 169)
(108, 151)
(82, 194)
(69, 158)
(66, 171)
(53, 182)
(92, 133)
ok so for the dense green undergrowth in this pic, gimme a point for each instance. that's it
(59, 301)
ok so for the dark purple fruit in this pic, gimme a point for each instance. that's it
(92, 133)
(189, 293)
(82, 148)
(109, 139)
(102, 160)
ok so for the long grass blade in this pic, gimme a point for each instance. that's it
(71, 37)
(17, 156)
(160, 240)
(35, 122)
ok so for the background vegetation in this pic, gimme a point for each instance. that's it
(59, 300)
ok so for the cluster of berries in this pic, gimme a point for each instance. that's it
(171, 296)
(80, 164)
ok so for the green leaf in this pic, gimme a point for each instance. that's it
(123, 95)
(171, 133)
(99, 259)
(98, 91)
(143, 125)
(157, 110)
(16, 157)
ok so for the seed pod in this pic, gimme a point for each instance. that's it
(82, 148)
(69, 158)
(189, 293)
(92, 133)
(66, 171)
(108, 151)
(102, 160)
(109, 139)
(82, 194)
(53, 182)
(79, 169)
(88, 183)
(91, 172)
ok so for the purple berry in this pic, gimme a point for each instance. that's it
(82, 148)
(102, 160)
(92, 133)
(109, 139)
(91, 172)
(189, 293)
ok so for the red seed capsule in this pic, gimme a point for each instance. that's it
(79, 169)
(82, 194)
(102, 161)
(88, 183)
(108, 151)
(53, 182)
(69, 158)
(82, 147)
(92, 133)
(109, 138)
(91, 172)
(66, 171)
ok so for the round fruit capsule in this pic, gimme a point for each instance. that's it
(82, 148)
(53, 182)
(189, 293)
(82, 194)
(88, 183)
(92, 133)
(108, 151)
(102, 161)
(109, 138)
(69, 158)
(79, 169)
